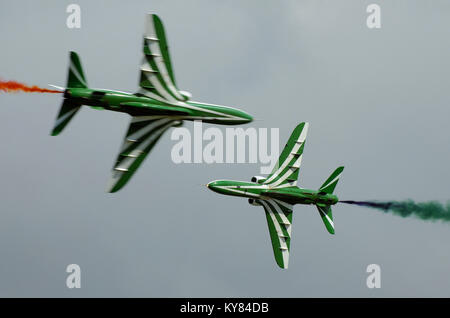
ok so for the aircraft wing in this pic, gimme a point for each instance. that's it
(142, 135)
(157, 80)
(285, 172)
(279, 220)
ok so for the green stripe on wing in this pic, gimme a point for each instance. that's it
(157, 79)
(287, 168)
(279, 221)
(142, 135)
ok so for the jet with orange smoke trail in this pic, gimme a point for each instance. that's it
(157, 106)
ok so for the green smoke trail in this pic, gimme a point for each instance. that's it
(431, 210)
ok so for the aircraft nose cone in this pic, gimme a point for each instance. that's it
(240, 117)
(246, 118)
(213, 186)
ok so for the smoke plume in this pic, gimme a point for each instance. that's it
(431, 210)
(13, 86)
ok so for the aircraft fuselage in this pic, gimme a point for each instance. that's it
(141, 105)
(255, 191)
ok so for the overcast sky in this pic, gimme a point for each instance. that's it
(377, 102)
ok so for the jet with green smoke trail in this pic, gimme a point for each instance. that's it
(157, 106)
(279, 192)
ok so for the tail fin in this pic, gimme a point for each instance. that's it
(327, 216)
(76, 78)
(67, 111)
(329, 185)
(327, 188)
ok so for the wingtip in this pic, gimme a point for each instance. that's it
(153, 17)
(302, 126)
(283, 266)
(111, 189)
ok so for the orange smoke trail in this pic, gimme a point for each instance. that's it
(13, 86)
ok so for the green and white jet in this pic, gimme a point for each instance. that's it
(279, 192)
(157, 106)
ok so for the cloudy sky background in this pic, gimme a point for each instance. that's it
(377, 102)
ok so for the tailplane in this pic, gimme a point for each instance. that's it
(327, 216)
(329, 185)
(75, 79)
(66, 112)
(328, 188)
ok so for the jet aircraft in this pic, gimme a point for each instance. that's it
(279, 192)
(157, 106)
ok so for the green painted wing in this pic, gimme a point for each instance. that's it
(142, 135)
(157, 79)
(285, 172)
(279, 220)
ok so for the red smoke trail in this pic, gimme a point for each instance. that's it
(12, 86)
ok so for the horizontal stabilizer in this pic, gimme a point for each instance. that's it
(76, 78)
(329, 185)
(327, 217)
(67, 111)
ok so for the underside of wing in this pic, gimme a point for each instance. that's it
(142, 135)
(279, 220)
(157, 79)
(285, 172)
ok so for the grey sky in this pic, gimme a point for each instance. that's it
(377, 102)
